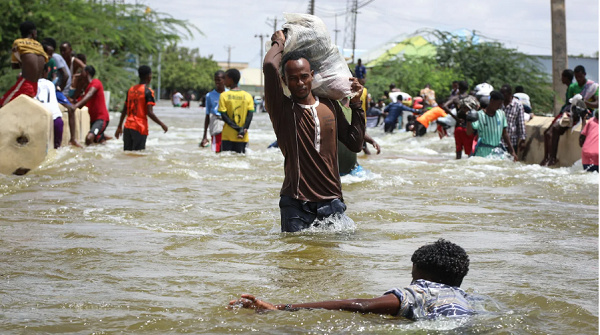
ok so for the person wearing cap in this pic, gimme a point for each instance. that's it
(483, 90)
(525, 100)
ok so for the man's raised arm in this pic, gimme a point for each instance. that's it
(273, 86)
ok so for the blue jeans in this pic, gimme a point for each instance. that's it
(297, 215)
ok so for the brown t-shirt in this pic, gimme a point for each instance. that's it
(310, 151)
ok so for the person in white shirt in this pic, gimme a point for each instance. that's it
(524, 98)
(46, 94)
(176, 99)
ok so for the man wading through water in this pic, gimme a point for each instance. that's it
(307, 129)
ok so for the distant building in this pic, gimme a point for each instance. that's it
(250, 77)
(590, 64)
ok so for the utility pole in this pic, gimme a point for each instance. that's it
(159, 68)
(560, 59)
(272, 23)
(261, 60)
(350, 27)
(336, 30)
(311, 7)
(355, 11)
(228, 48)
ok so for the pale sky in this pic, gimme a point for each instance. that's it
(521, 24)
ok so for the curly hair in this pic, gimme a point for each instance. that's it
(445, 261)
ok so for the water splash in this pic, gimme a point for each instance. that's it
(336, 223)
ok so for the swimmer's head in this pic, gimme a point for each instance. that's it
(441, 262)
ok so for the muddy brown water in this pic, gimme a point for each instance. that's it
(101, 241)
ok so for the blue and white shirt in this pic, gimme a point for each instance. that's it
(212, 103)
(423, 299)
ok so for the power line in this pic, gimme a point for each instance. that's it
(354, 32)
(261, 59)
(334, 12)
(272, 23)
(336, 30)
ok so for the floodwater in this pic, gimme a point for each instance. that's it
(98, 241)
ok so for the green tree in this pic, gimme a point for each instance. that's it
(497, 65)
(110, 34)
(184, 70)
(410, 75)
(464, 59)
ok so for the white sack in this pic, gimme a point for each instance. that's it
(308, 34)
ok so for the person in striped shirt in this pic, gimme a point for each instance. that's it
(515, 118)
(438, 271)
(490, 124)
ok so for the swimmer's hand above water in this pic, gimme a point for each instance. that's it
(251, 302)
(386, 304)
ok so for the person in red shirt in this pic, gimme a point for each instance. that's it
(138, 107)
(94, 100)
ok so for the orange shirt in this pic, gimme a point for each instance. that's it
(139, 97)
(431, 115)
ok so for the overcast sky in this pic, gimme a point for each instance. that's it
(521, 24)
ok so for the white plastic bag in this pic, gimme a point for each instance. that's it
(308, 34)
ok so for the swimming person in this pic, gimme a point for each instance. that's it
(307, 129)
(438, 271)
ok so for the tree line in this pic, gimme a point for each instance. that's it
(467, 59)
(115, 37)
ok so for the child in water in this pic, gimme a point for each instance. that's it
(438, 271)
